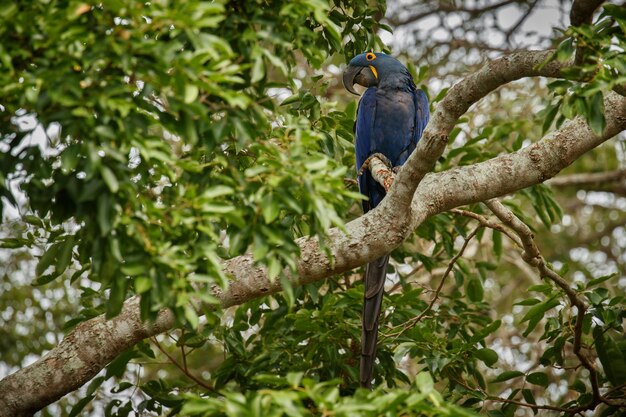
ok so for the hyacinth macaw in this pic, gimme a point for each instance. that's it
(391, 117)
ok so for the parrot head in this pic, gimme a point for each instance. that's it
(369, 69)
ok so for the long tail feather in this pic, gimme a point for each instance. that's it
(375, 274)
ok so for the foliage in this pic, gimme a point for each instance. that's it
(165, 152)
(142, 143)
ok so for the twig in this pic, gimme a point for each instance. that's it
(521, 20)
(350, 182)
(444, 7)
(533, 257)
(183, 353)
(410, 323)
(182, 369)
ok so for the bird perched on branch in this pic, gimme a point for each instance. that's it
(391, 117)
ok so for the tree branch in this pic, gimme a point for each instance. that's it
(582, 13)
(79, 357)
(533, 257)
(508, 173)
(458, 100)
(94, 343)
(445, 7)
(588, 179)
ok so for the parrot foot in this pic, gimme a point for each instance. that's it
(381, 169)
(368, 161)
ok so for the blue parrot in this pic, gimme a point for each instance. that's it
(391, 117)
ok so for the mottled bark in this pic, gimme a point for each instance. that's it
(79, 357)
(414, 197)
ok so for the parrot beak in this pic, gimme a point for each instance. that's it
(358, 75)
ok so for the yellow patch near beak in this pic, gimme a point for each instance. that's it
(374, 71)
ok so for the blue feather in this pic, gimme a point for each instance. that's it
(391, 118)
(389, 122)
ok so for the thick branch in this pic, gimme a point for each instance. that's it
(94, 343)
(79, 357)
(582, 11)
(458, 100)
(508, 173)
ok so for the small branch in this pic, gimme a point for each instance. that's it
(521, 20)
(588, 179)
(94, 343)
(488, 223)
(533, 257)
(582, 13)
(350, 182)
(445, 7)
(411, 323)
(183, 354)
(182, 368)
(533, 406)
(510, 401)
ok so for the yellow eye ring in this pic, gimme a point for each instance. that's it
(370, 56)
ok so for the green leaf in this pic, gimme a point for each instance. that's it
(424, 382)
(528, 302)
(549, 118)
(104, 214)
(596, 281)
(615, 10)
(613, 358)
(537, 312)
(142, 284)
(596, 118)
(217, 191)
(291, 99)
(258, 70)
(497, 243)
(565, 50)
(117, 367)
(530, 398)
(121, 387)
(474, 289)
(505, 376)
(191, 316)
(65, 255)
(34, 220)
(542, 288)
(45, 279)
(538, 378)
(94, 385)
(191, 93)
(78, 407)
(488, 356)
(270, 208)
(47, 258)
(294, 378)
(117, 296)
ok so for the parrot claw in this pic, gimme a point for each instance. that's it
(366, 164)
